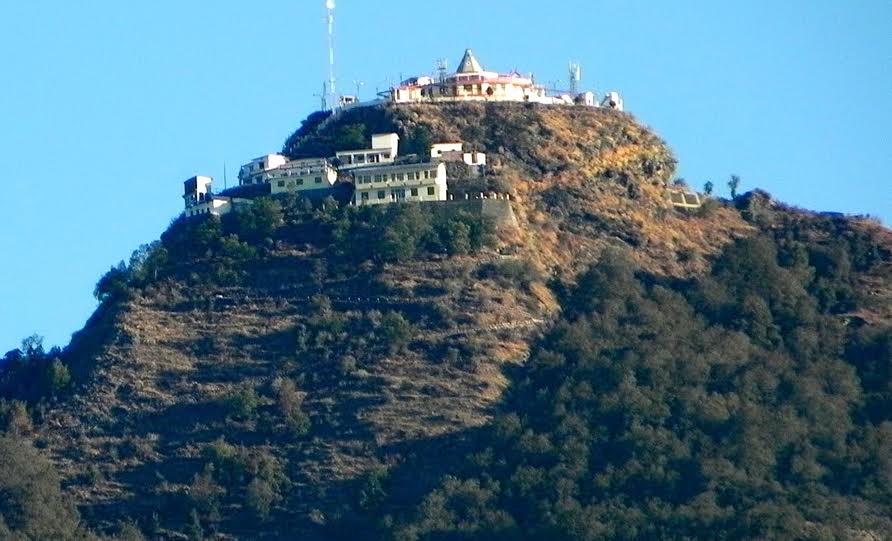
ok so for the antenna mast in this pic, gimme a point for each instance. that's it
(331, 91)
(442, 66)
(575, 77)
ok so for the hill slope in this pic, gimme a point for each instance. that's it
(255, 378)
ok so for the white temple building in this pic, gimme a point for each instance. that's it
(471, 82)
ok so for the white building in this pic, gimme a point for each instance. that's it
(613, 101)
(399, 183)
(200, 200)
(438, 150)
(385, 148)
(302, 175)
(454, 152)
(255, 171)
(471, 82)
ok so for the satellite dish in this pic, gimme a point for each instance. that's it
(329, 4)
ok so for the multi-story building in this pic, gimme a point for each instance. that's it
(256, 172)
(399, 183)
(385, 149)
(302, 175)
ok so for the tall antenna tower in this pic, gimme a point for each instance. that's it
(442, 66)
(575, 77)
(331, 90)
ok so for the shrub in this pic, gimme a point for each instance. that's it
(512, 272)
(14, 418)
(205, 492)
(129, 531)
(244, 403)
(233, 248)
(260, 497)
(395, 332)
(289, 402)
(347, 365)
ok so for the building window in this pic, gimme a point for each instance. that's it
(318, 180)
(414, 192)
(281, 184)
(364, 196)
(430, 190)
(300, 182)
(382, 194)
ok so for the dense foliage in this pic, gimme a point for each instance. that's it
(381, 234)
(32, 507)
(732, 407)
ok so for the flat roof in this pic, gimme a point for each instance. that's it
(400, 167)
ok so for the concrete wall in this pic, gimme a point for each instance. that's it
(438, 149)
(498, 210)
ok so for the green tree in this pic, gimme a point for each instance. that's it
(457, 237)
(351, 137)
(114, 285)
(395, 332)
(31, 502)
(57, 377)
(260, 497)
(258, 222)
(708, 187)
(733, 185)
(244, 402)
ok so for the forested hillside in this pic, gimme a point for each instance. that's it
(608, 368)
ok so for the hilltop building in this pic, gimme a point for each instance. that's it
(200, 200)
(471, 82)
(454, 153)
(385, 149)
(399, 183)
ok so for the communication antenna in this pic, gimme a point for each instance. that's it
(331, 94)
(323, 97)
(442, 66)
(575, 77)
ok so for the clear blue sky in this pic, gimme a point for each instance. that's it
(107, 106)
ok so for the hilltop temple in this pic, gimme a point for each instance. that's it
(471, 82)
(378, 175)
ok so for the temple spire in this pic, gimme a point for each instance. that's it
(469, 63)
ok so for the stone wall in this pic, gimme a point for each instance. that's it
(498, 210)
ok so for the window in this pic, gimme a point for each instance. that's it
(364, 196)
(281, 184)
(430, 190)
(381, 194)
(414, 192)
(300, 182)
(318, 180)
